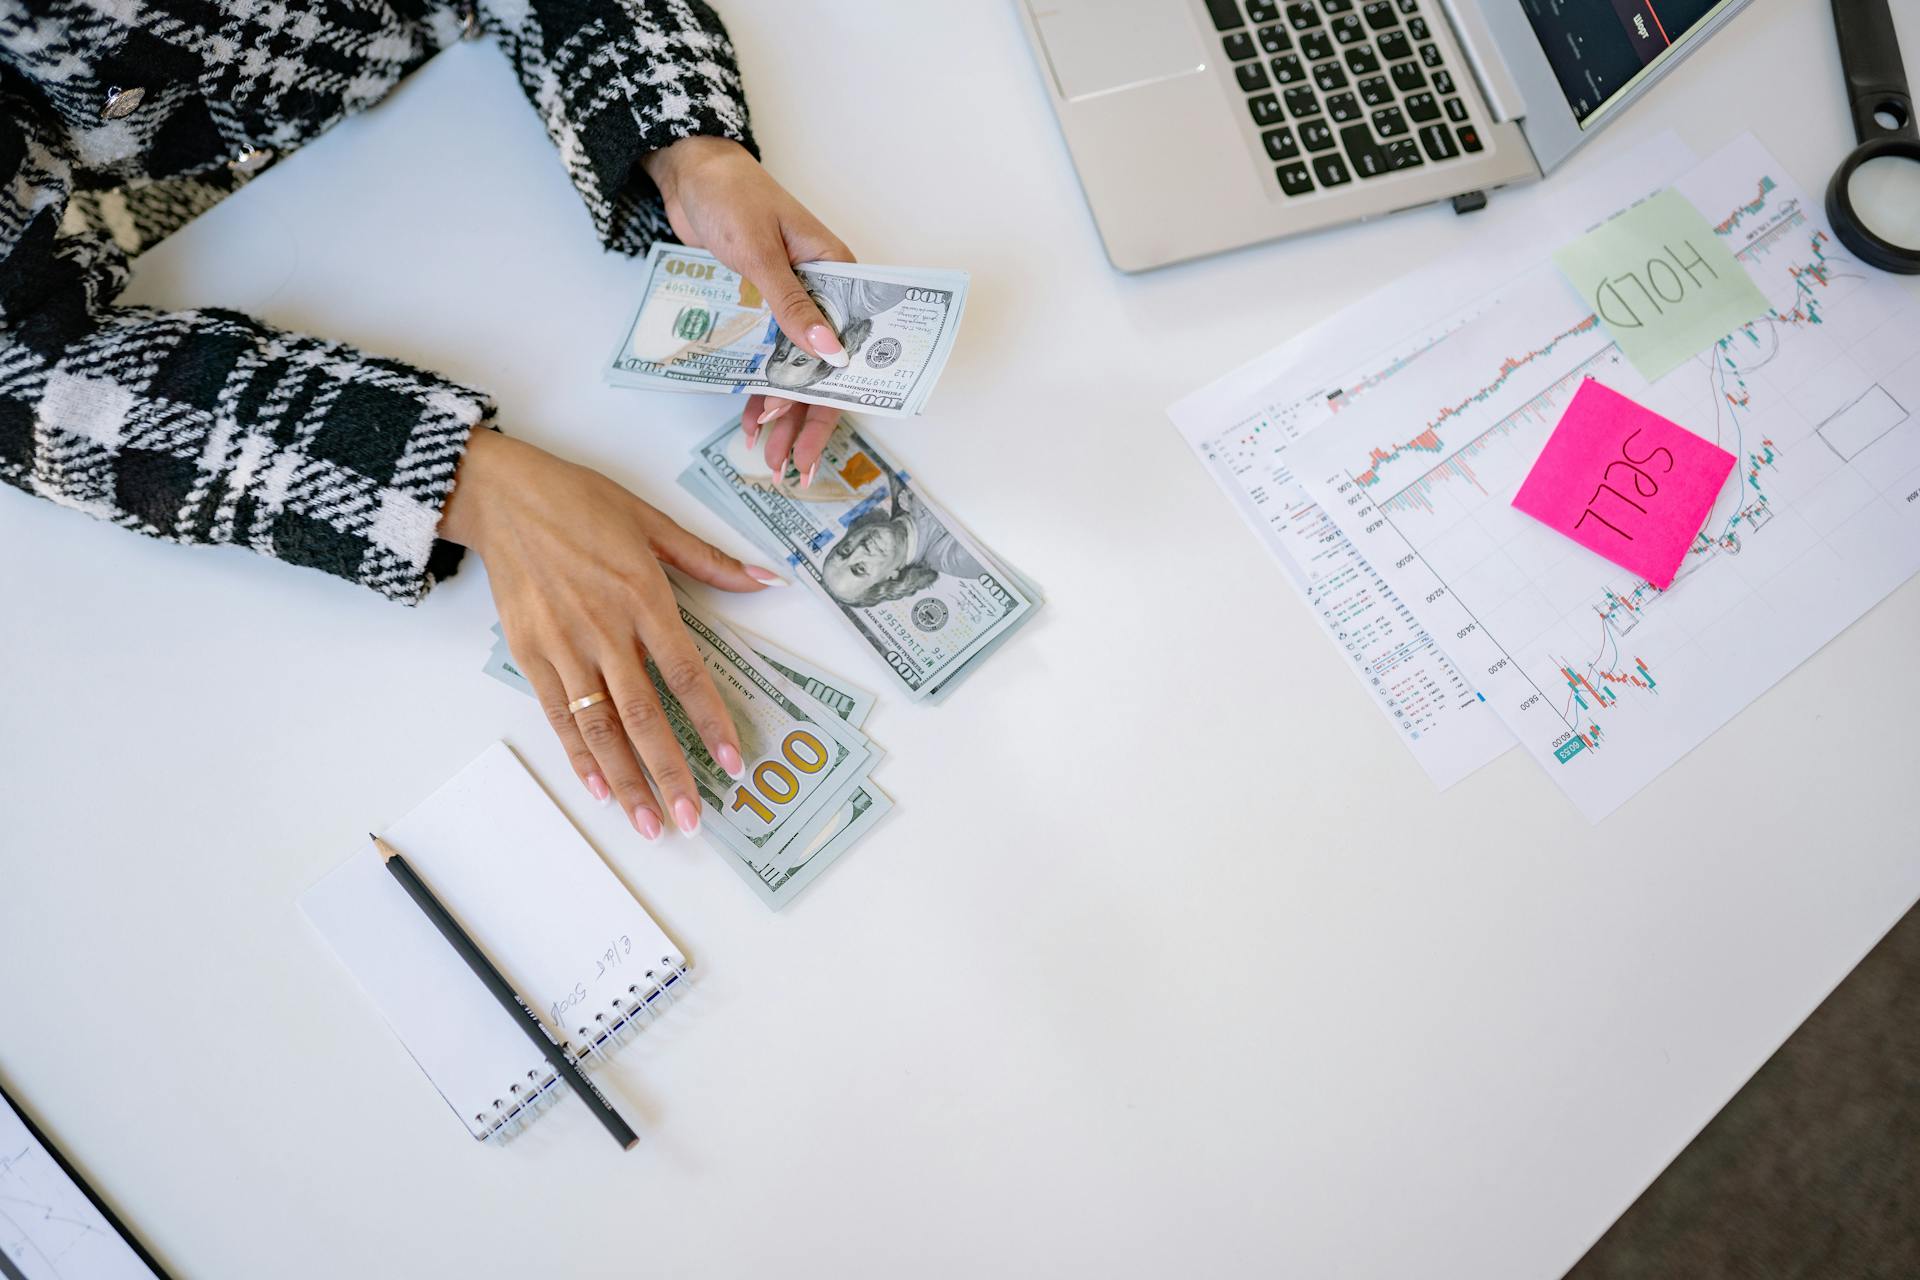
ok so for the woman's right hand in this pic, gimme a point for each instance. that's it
(574, 561)
(718, 198)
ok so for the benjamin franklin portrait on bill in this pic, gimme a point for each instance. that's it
(849, 304)
(893, 551)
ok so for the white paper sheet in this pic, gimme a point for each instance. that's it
(1603, 679)
(1243, 425)
(556, 922)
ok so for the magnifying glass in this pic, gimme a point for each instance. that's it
(1873, 201)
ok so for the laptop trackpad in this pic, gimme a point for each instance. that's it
(1100, 46)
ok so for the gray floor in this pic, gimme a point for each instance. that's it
(1813, 1169)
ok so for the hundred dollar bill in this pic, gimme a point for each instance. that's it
(927, 598)
(501, 667)
(794, 867)
(697, 482)
(703, 327)
(778, 845)
(837, 695)
(798, 866)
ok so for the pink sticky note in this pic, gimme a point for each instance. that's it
(1622, 481)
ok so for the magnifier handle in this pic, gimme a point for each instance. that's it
(1870, 60)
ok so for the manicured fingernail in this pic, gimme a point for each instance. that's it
(806, 481)
(728, 757)
(766, 577)
(646, 822)
(774, 412)
(597, 787)
(753, 433)
(826, 345)
(686, 814)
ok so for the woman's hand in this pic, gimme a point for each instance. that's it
(574, 560)
(721, 200)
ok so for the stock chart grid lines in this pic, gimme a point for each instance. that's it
(1810, 529)
(1743, 506)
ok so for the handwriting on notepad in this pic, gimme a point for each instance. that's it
(567, 1002)
(612, 957)
(617, 950)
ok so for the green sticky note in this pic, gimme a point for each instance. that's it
(1662, 283)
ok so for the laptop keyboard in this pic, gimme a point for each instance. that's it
(1343, 89)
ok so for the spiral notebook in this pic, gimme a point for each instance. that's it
(554, 919)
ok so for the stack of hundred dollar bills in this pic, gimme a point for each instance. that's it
(922, 594)
(929, 600)
(703, 327)
(806, 796)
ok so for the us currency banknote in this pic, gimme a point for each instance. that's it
(925, 596)
(835, 694)
(790, 817)
(791, 869)
(697, 482)
(703, 327)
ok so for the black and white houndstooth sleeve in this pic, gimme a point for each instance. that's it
(120, 122)
(614, 80)
(206, 426)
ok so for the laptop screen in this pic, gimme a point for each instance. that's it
(1600, 47)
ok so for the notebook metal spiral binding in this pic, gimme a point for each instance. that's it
(591, 1044)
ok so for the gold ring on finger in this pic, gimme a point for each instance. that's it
(581, 704)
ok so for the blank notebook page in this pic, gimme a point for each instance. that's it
(535, 897)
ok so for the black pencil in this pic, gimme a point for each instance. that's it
(509, 999)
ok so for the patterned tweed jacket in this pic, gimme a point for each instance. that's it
(122, 119)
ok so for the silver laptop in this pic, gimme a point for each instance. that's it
(1202, 125)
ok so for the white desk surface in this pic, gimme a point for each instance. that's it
(1170, 961)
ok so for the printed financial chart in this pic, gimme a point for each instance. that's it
(1604, 679)
(1437, 711)
(49, 1230)
(1242, 425)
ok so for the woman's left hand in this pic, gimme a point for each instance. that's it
(720, 199)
